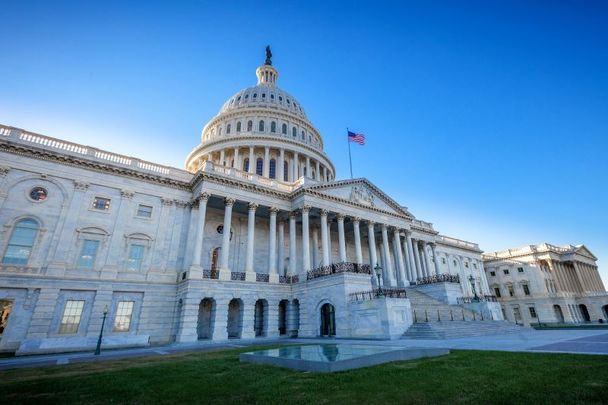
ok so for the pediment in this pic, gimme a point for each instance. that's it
(582, 250)
(360, 192)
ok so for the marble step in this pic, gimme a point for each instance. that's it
(460, 329)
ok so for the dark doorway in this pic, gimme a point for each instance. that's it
(585, 312)
(328, 320)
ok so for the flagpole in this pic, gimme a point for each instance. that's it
(350, 159)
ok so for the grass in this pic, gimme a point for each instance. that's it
(219, 377)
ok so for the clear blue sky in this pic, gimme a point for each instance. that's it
(488, 119)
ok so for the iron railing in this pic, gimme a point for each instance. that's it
(378, 293)
(237, 276)
(262, 277)
(211, 274)
(439, 278)
(478, 298)
(336, 268)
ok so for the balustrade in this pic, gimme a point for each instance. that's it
(378, 293)
(439, 278)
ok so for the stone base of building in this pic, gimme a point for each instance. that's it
(80, 343)
(381, 318)
(488, 310)
(445, 292)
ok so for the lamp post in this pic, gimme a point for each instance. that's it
(378, 271)
(472, 281)
(103, 322)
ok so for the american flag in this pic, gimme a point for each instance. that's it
(358, 138)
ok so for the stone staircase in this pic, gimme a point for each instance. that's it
(434, 319)
(460, 329)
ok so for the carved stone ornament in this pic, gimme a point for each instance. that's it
(361, 195)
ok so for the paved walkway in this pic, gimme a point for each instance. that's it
(553, 341)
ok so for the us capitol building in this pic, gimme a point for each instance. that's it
(255, 238)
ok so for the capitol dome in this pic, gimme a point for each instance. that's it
(264, 131)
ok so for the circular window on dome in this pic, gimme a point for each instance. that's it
(238, 99)
(280, 98)
(272, 96)
(263, 95)
(246, 96)
(38, 194)
(255, 95)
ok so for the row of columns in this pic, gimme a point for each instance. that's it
(297, 167)
(411, 257)
(577, 278)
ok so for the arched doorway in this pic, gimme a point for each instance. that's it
(260, 318)
(283, 317)
(585, 312)
(559, 315)
(328, 320)
(215, 255)
(235, 319)
(206, 315)
(605, 311)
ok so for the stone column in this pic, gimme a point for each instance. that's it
(341, 239)
(424, 259)
(318, 171)
(410, 255)
(225, 252)
(292, 244)
(281, 254)
(266, 171)
(357, 232)
(250, 238)
(373, 256)
(305, 240)
(308, 168)
(387, 253)
(403, 281)
(296, 166)
(281, 168)
(251, 160)
(324, 238)
(200, 231)
(435, 261)
(315, 247)
(236, 159)
(329, 247)
(222, 158)
(272, 248)
(419, 272)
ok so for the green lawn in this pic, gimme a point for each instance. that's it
(219, 377)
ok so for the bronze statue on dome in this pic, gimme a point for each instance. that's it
(268, 56)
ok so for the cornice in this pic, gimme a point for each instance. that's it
(68, 160)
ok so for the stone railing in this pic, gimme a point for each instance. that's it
(211, 274)
(378, 293)
(22, 137)
(479, 298)
(441, 278)
(529, 249)
(457, 242)
(422, 224)
(209, 167)
(338, 268)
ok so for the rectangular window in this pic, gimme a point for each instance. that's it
(144, 211)
(122, 320)
(136, 255)
(526, 289)
(511, 291)
(505, 271)
(497, 292)
(86, 260)
(102, 204)
(443, 260)
(520, 269)
(532, 312)
(493, 273)
(70, 321)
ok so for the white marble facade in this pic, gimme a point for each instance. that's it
(547, 284)
(86, 230)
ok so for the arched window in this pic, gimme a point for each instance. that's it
(228, 128)
(273, 169)
(249, 126)
(259, 167)
(246, 165)
(238, 126)
(273, 126)
(284, 129)
(285, 171)
(294, 132)
(261, 126)
(219, 131)
(21, 242)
